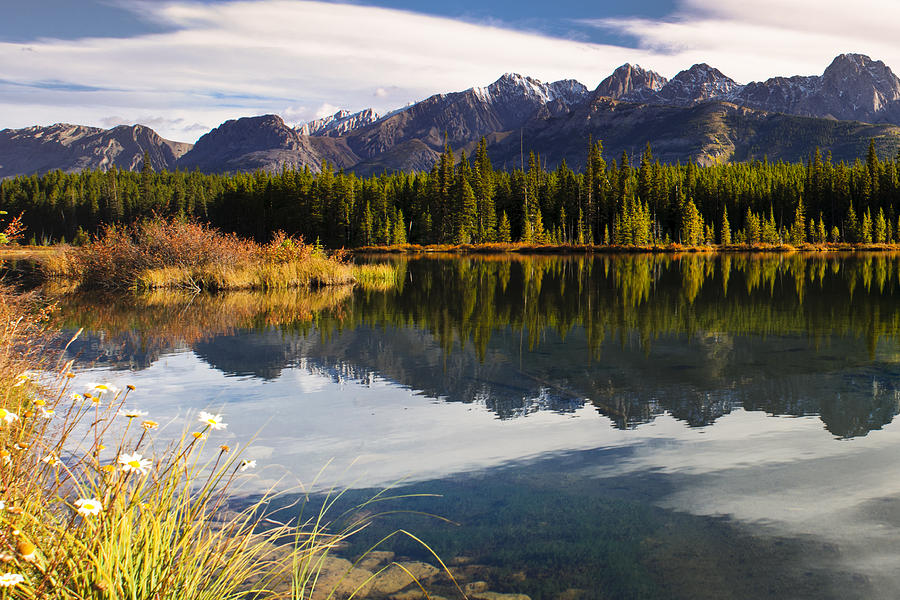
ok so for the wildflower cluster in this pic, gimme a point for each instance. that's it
(90, 509)
(74, 520)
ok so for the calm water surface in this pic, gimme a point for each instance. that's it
(610, 427)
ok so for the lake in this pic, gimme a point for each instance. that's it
(630, 426)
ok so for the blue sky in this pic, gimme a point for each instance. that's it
(184, 66)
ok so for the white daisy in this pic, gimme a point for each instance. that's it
(134, 462)
(247, 464)
(105, 387)
(10, 579)
(8, 416)
(210, 420)
(88, 506)
(134, 413)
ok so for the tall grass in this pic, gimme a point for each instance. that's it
(176, 254)
(90, 510)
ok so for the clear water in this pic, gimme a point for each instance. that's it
(610, 427)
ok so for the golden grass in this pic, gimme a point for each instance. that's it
(90, 511)
(376, 276)
(314, 271)
(17, 252)
(172, 254)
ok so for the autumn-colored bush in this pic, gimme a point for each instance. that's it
(167, 254)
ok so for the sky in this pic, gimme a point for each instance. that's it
(183, 67)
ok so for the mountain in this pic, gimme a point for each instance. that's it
(340, 123)
(630, 80)
(409, 139)
(263, 142)
(76, 147)
(853, 87)
(459, 118)
(700, 114)
(699, 83)
(706, 132)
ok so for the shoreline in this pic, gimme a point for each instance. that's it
(463, 249)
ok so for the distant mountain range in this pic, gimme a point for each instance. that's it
(700, 114)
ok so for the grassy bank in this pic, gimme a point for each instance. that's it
(172, 254)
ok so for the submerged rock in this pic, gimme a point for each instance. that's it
(398, 576)
(498, 596)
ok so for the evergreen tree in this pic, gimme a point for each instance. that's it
(879, 232)
(504, 235)
(467, 213)
(725, 229)
(398, 237)
(691, 225)
(483, 186)
(752, 229)
(798, 228)
(852, 232)
(865, 232)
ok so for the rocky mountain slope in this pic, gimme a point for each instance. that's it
(263, 142)
(630, 80)
(707, 132)
(340, 123)
(700, 114)
(76, 147)
(853, 87)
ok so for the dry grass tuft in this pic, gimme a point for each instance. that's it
(176, 254)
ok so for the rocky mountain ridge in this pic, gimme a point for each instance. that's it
(340, 123)
(700, 114)
(77, 147)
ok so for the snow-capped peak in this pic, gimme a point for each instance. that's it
(513, 85)
(340, 123)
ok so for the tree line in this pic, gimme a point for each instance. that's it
(635, 200)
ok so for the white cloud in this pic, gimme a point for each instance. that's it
(250, 57)
(293, 57)
(761, 39)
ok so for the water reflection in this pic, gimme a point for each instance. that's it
(634, 336)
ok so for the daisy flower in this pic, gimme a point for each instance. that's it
(105, 387)
(46, 412)
(134, 462)
(247, 464)
(149, 424)
(88, 506)
(8, 416)
(23, 378)
(210, 420)
(198, 435)
(51, 459)
(134, 413)
(10, 579)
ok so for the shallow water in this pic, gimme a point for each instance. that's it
(609, 427)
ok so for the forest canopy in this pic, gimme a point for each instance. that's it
(632, 200)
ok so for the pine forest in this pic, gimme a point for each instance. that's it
(632, 200)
